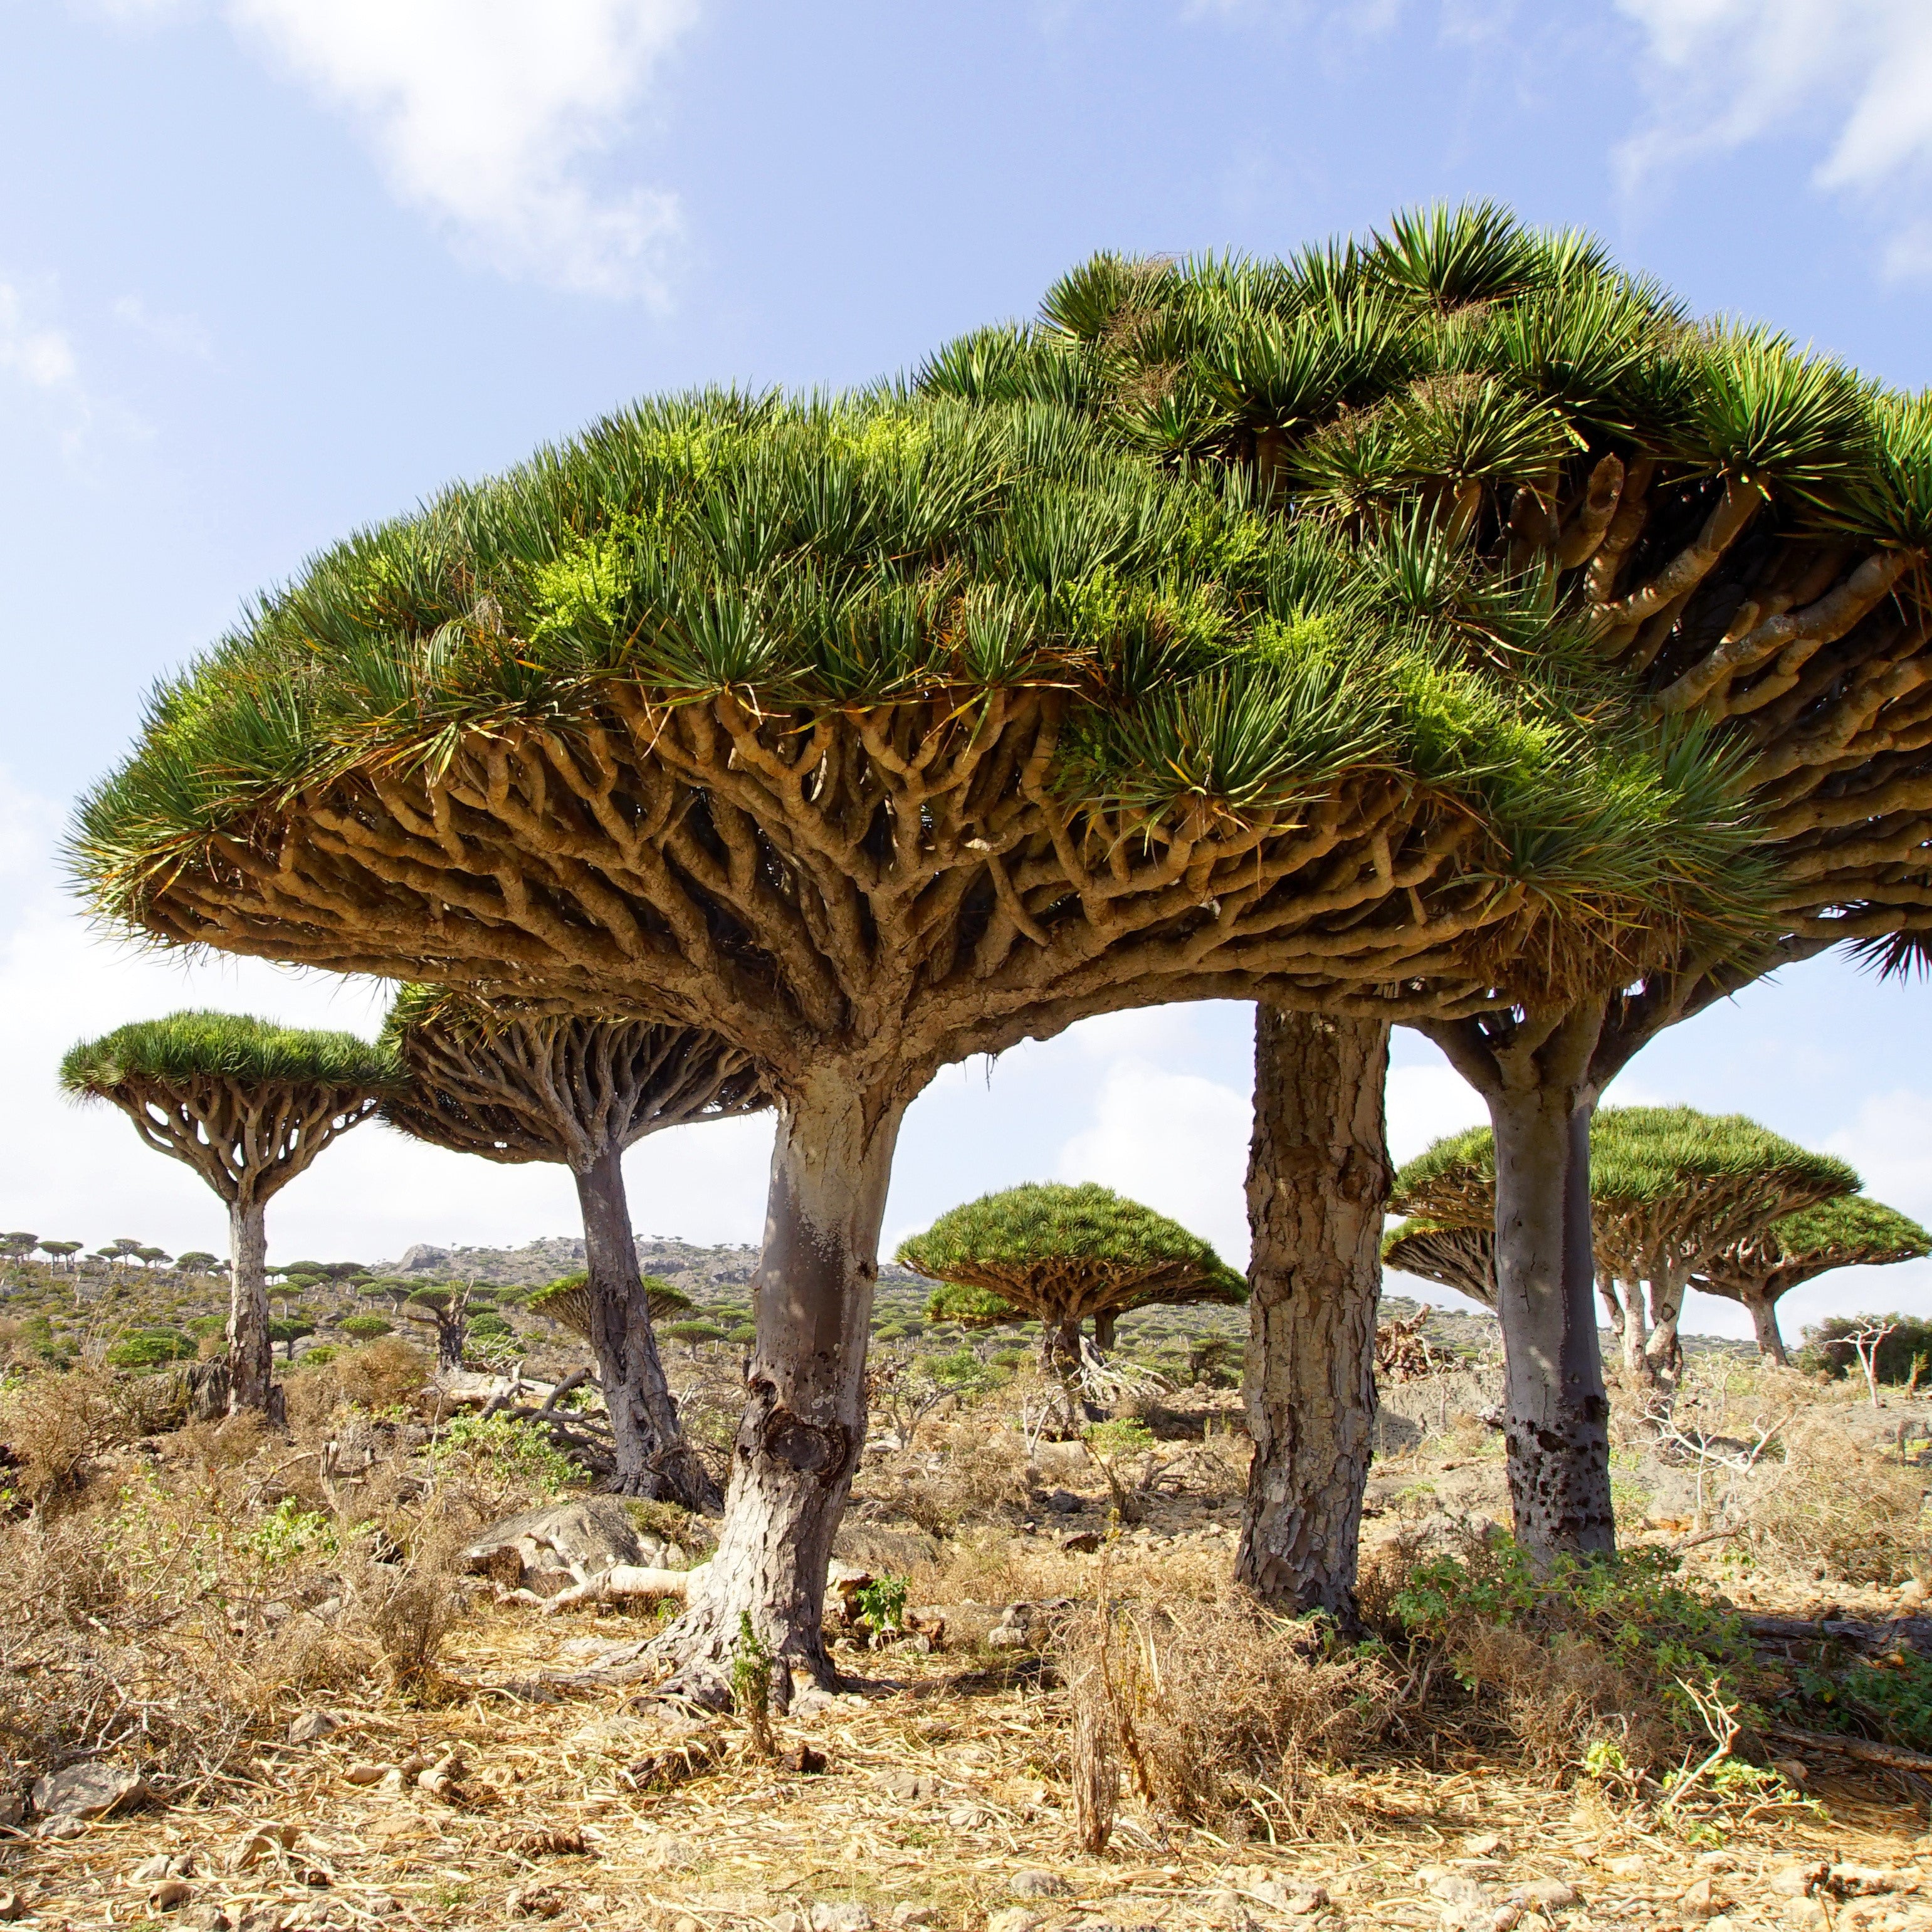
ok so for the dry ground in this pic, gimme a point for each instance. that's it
(944, 1795)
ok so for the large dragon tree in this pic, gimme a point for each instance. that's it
(1064, 1257)
(867, 735)
(515, 1086)
(1853, 1230)
(248, 1106)
(1741, 529)
(1671, 1189)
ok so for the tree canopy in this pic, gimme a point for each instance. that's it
(1463, 1259)
(1059, 1254)
(235, 1047)
(1852, 1230)
(567, 1302)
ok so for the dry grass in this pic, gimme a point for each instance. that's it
(1835, 1509)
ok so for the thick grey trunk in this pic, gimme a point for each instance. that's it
(1060, 1349)
(251, 1355)
(652, 1455)
(805, 1420)
(1105, 1324)
(1764, 1325)
(1317, 1185)
(1663, 1351)
(1556, 1416)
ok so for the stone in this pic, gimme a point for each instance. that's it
(170, 1895)
(1013, 1918)
(367, 1774)
(1794, 1770)
(149, 1870)
(1546, 1894)
(1063, 1502)
(1036, 1885)
(1806, 1915)
(840, 1915)
(1632, 1867)
(911, 1786)
(13, 1808)
(806, 1759)
(1696, 1901)
(1481, 1845)
(312, 1725)
(12, 1906)
(1080, 1542)
(906, 1913)
(593, 1534)
(1798, 1880)
(1855, 1881)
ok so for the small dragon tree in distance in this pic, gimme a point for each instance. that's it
(568, 1303)
(1062, 1256)
(1853, 1230)
(1670, 1189)
(869, 733)
(516, 1086)
(248, 1106)
(1449, 1255)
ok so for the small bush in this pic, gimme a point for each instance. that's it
(150, 1348)
(1220, 1713)
(366, 1327)
(381, 1373)
(1834, 1505)
(505, 1450)
(488, 1326)
(320, 1356)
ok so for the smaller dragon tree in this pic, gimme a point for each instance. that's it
(515, 1086)
(1062, 1256)
(569, 1303)
(1670, 1190)
(1451, 1256)
(1853, 1230)
(445, 1311)
(248, 1104)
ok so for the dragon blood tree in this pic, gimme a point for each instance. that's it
(1463, 1259)
(1481, 411)
(248, 1106)
(866, 735)
(1671, 1189)
(1852, 1231)
(522, 1087)
(1063, 1256)
(568, 1302)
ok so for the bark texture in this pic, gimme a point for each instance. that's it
(251, 1353)
(1763, 1307)
(1318, 1180)
(804, 1423)
(651, 1456)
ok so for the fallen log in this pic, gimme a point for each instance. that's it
(1893, 1757)
(625, 1579)
(1915, 1631)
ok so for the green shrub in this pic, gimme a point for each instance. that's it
(514, 1448)
(692, 1333)
(489, 1324)
(744, 1335)
(1827, 1347)
(209, 1324)
(318, 1357)
(366, 1327)
(150, 1348)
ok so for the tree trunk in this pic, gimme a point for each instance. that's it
(1763, 1308)
(652, 1455)
(1611, 1296)
(1634, 1331)
(1556, 1425)
(804, 1420)
(1318, 1184)
(251, 1355)
(1060, 1350)
(1105, 1325)
(1663, 1351)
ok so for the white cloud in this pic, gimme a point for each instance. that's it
(488, 116)
(1425, 1103)
(483, 114)
(1175, 1141)
(1857, 73)
(41, 356)
(179, 334)
(74, 1172)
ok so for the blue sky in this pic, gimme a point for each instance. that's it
(269, 269)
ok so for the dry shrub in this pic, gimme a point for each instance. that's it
(378, 1374)
(56, 1422)
(407, 1608)
(1222, 1714)
(974, 1474)
(1834, 1505)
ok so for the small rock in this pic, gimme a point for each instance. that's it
(1532, 1922)
(1081, 1542)
(1482, 1845)
(965, 1817)
(1014, 1918)
(1302, 1903)
(909, 1785)
(1912, 1591)
(1630, 1867)
(1716, 1861)
(11, 1905)
(443, 1777)
(1063, 1502)
(906, 1913)
(210, 1918)
(840, 1915)
(1856, 1881)
(1036, 1885)
(1794, 1771)
(149, 1870)
(312, 1725)
(86, 1791)
(170, 1894)
(368, 1774)
(1226, 1906)
(806, 1759)
(1546, 1894)
(1696, 1901)
(1797, 1881)
(1806, 1915)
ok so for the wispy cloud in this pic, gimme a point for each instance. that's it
(34, 352)
(179, 334)
(1855, 76)
(488, 116)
